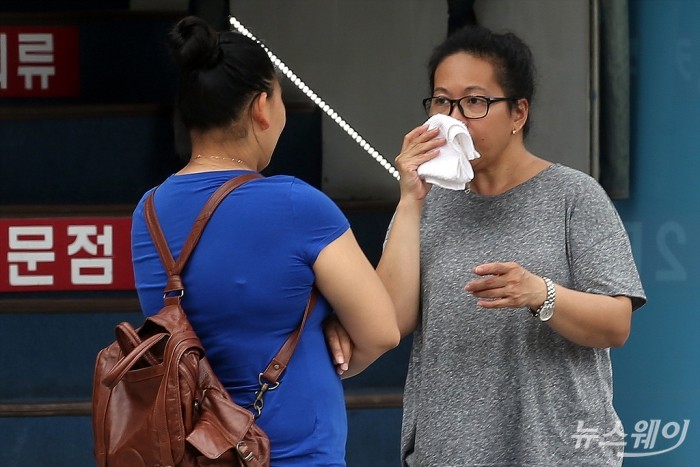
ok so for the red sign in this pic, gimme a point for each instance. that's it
(39, 61)
(55, 254)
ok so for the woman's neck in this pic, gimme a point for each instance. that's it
(498, 178)
(209, 156)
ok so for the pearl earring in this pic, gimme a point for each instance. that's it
(513, 132)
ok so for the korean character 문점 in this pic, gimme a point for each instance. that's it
(28, 247)
(98, 267)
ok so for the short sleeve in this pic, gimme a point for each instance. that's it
(148, 281)
(600, 251)
(317, 217)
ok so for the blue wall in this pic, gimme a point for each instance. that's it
(657, 373)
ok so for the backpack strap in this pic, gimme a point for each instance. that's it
(174, 288)
(174, 268)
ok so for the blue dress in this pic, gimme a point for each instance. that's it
(246, 286)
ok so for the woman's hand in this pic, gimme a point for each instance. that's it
(587, 319)
(339, 343)
(507, 285)
(419, 146)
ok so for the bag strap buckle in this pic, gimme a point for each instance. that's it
(259, 402)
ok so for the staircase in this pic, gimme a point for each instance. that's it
(91, 156)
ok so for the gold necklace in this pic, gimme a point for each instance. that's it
(199, 156)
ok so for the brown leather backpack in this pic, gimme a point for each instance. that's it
(156, 400)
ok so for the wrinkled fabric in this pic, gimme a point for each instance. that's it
(499, 387)
(451, 169)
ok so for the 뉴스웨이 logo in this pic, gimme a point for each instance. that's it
(650, 437)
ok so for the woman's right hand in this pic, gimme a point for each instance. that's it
(399, 266)
(419, 146)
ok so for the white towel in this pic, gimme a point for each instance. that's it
(451, 168)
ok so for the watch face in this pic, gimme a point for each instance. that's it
(546, 313)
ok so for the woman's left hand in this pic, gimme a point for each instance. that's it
(587, 319)
(339, 343)
(507, 285)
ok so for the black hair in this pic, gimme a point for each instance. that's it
(219, 73)
(510, 57)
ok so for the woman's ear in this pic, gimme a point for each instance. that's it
(520, 113)
(260, 110)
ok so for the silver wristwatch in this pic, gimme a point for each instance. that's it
(545, 312)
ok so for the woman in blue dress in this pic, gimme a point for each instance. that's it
(266, 245)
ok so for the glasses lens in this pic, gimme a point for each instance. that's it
(437, 105)
(474, 106)
(427, 105)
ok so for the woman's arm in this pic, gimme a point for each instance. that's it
(589, 319)
(586, 319)
(349, 282)
(399, 266)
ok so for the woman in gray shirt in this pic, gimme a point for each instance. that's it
(514, 290)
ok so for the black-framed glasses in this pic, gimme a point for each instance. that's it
(469, 106)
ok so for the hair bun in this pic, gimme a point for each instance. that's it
(194, 44)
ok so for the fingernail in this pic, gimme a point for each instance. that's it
(339, 359)
(344, 366)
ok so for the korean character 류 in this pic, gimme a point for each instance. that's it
(36, 59)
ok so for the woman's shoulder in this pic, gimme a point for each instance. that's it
(564, 172)
(297, 188)
(138, 211)
(288, 181)
(571, 180)
(189, 192)
(578, 190)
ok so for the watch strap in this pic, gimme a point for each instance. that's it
(549, 300)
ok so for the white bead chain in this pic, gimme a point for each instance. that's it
(318, 101)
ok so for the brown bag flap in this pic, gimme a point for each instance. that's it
(172, 318)
(221, 426)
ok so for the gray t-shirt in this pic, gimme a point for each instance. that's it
(499, 387)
